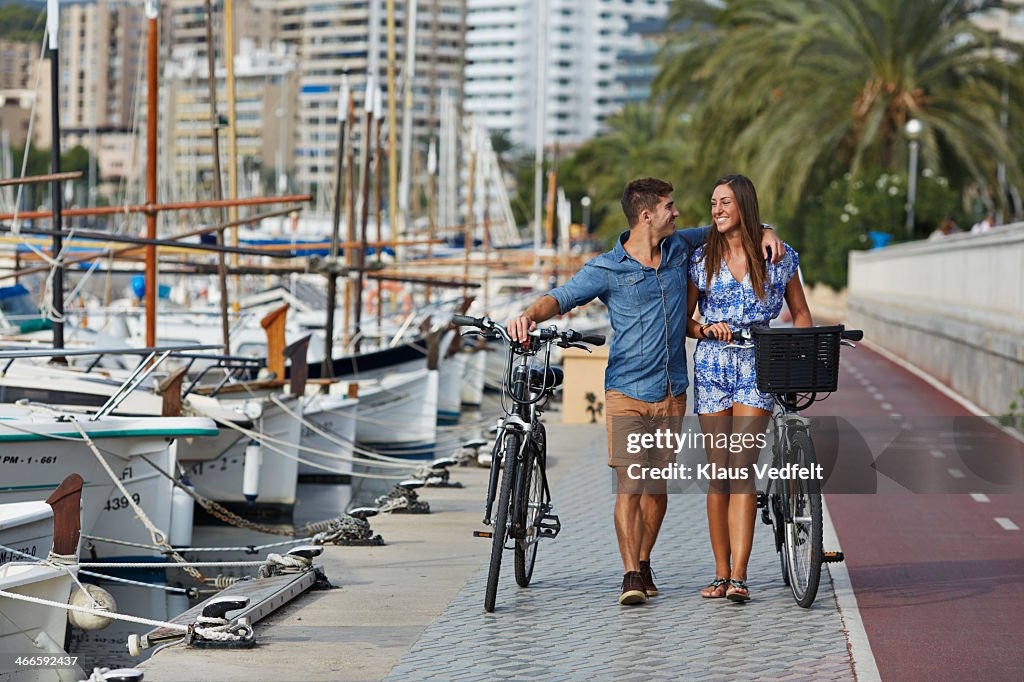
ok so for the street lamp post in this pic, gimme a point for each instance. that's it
(585, 203)
(913, 130)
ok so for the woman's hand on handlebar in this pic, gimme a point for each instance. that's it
(718, 330)
(519, 328)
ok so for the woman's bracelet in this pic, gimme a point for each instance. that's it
(704, 329)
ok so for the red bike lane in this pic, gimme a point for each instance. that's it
(939, 578)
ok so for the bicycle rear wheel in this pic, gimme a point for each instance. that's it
(532, 503)
(499, 525)
(804, 526)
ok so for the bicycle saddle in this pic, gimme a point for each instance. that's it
(539, 381)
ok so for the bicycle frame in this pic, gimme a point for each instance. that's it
(523, 420)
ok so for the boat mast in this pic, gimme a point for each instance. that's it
(392, 116)
(364, 218)
(229, 63)
(398, 222)
(53, 27)
(152, 96)
(218, 191)
(327, 368)
(538, 152)
(471, 184)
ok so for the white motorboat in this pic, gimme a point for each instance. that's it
(472, 389)
(25, 528)
(329, 424)
(270, 460)
(40, 447)
(398, 413)
(30, 629)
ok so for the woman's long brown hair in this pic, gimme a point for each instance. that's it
(751, 231)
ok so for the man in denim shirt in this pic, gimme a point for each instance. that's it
(642, 281)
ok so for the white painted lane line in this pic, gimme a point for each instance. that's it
(980, 497)
(956, 473)
(864, 664)
(886, 406)
(938, 454)
(879, 396)
(945, 390)
(1006, 523)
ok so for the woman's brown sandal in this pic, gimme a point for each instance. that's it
(737, 591)
(714, 586)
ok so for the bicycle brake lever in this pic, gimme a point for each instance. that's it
(473, 332)
(574, 345)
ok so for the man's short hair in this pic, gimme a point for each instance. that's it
(643, 195)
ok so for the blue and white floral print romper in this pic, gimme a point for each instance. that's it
(723, 376)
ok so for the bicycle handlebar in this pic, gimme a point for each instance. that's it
(744, 338)
(544, 334)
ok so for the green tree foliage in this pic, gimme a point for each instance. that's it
(641, 141)
(828, 225)
(798, 92)
(21, 23)
(74, 159)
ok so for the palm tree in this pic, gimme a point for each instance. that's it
(797, 92)
(641, 141)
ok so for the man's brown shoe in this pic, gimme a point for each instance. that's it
(648, 577)
(633, 591)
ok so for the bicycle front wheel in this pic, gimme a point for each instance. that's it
(803, 525)
(531, 504)
(499, 524)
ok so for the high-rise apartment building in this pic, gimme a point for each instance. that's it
(580, 69)
(334, 37)
(101, 51)
(330, 38)
(18, 65)
(266, 89)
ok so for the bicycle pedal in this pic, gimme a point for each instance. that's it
(832, 557)
(548, 526)
(483, 534)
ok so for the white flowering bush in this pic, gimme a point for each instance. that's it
(826, 227)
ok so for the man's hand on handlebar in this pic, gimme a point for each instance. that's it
(519, 328)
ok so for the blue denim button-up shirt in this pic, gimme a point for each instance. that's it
(647, 310)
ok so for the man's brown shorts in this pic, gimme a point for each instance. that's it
(626, 416)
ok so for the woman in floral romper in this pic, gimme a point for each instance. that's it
(735, 290)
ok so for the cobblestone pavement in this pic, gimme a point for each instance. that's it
(568, 625)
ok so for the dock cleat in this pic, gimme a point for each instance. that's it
(306, 551)
(410, 484)
(363, 512)
(403, 499)
(470, 450)
(117, 675)
(218, 607)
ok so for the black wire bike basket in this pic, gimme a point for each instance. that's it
(790, 360)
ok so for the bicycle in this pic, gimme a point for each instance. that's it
(796, 366)
(523, 512)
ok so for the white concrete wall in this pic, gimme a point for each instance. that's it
(953, 307)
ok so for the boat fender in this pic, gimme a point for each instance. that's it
(181, 517)
(251, 472)
(85, 598)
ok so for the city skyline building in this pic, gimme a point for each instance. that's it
(584, 79)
